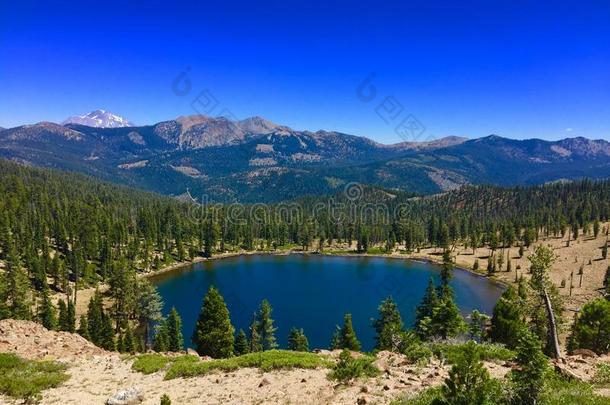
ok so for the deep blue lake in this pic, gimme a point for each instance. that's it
(314, 292)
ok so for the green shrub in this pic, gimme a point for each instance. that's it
(561, 391)
(487, 351)
(265, 361)
(26, 379)
(165, 400)
(349, 368)
(151, 363)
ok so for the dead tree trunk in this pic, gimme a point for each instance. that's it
(552, 325)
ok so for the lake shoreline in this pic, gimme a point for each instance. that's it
(425, 259)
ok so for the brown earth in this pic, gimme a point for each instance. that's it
(96, 375)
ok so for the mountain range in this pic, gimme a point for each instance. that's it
(257, 160)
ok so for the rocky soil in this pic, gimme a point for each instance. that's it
(97, 376)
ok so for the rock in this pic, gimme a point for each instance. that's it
(566, 372)
(129, 396)
(361, 401)
(386, 388)
(585, 353)
(303, 380)
(364, 389)
(263, 382)
(192, 352)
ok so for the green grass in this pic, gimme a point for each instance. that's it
(558, 391)
(265, 361)
(489, 351)
(151, 363)
(26, 379)
(602, 376)
(425, 397)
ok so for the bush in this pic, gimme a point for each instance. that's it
(165, 400)
(469, 381)
(151, 363)
(25, 379)
(591, 330)
(265, 361)
(487, 351)
(349, 368)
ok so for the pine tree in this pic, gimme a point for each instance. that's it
(241, 343)
(528, 378)
(18, 286)
(297, 340)
(70, 322)
(106, 334)
(129, 345)
(214, 334)
(425, 310)
(83, 328)
(477, 325)
(264, 326)
(148, 310)
(335, 340)
(469, 381)
(63, 316)
(348, 338)
(591, 329)
(161, 337)
(94, 318)
(507, 321)
(388, 326)
(255, 339)
(47, 314)
(174, 331)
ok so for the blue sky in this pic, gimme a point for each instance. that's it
(470, 68)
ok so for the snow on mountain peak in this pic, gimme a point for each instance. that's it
(99, 119)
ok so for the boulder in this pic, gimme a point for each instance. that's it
(128, 396)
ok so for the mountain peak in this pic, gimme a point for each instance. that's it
(99, 119)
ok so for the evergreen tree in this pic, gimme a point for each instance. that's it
(161, 337)
(95, 318)
(264, 326)
(388, 326)
(17, 285)
(425, 310)
(47, 314)
(106, 334)
(148, 309)
(446, 321)
(63, 316)
(214, 334)
(129, 345)
(528, 378)
(591, 329)
(507, 321)
(348, 339)
(241, 343)
(174, 331)
(477, 325)
(255, 339)
(469, 381)
(70, 321)
(335, 341)
(83, 328)
(297, 340)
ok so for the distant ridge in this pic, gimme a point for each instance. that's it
(254, 159)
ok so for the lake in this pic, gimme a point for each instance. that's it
(313, 292)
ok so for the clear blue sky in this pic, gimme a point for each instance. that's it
(468, 68)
